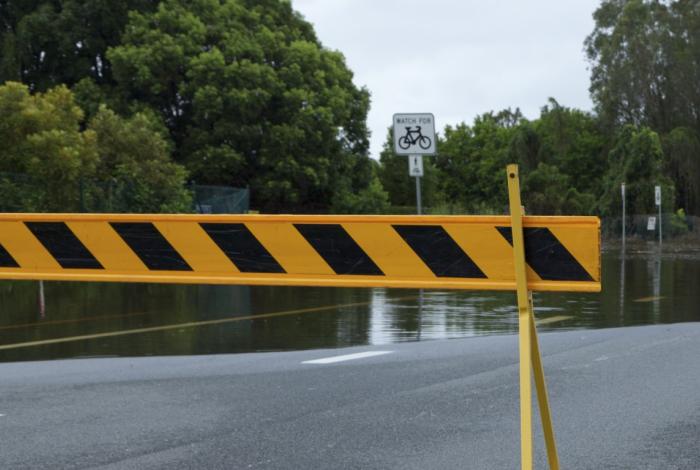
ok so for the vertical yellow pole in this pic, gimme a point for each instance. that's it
(542, 398)
(524, 330)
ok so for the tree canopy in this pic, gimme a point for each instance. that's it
(242, 93)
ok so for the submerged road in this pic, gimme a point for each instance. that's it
(621, 398)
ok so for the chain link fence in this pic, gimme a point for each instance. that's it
(220, 199)
(646, 226)
(24, 193)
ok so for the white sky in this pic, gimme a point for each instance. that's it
(458, 59)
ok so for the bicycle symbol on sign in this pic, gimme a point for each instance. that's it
(414, 137)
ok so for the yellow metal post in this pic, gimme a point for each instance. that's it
(542, 398)
(529, 344)
(524, 329)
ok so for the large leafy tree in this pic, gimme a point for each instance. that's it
(645, 57)
(41, 137)
(572, 141)
(637, 159)
(45, 43)
(472, 161)
(250, 97)
(245, 91)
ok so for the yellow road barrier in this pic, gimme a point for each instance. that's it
(456, 252)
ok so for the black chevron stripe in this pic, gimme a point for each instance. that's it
(439, 251)
(150, 246)
(338, 249)
(63, 245)
(242, 248)
(6, 259)
(547, 256)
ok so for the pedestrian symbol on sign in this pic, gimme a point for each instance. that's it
(415, 165)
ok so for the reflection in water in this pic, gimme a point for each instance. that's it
(298, 318)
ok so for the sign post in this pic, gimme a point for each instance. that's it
(415, 168)
(624, 220)
(414, 135)
(657, 200)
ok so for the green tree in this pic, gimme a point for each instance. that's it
(250, 97)
(548, 191)
(682, 150)
(472, 161)
(630, 58)
(46, 43)
(572, 141)
(42, 140)
(51, 160)
(372, 199)
(636, 159)
(645, 72)
(135, 165)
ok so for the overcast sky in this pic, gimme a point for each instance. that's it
(458, 58)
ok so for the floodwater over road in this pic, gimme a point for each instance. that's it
(100, 319)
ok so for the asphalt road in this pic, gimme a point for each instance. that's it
(626, 398)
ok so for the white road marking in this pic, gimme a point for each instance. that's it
(347, 357)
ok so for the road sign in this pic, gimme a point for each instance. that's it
(651, 223)
(414, 134)
(445, 252)
(415, 165)
(657, 195)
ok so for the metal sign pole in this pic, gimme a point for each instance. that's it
(418, 196)
(624, 219)
(661, 238)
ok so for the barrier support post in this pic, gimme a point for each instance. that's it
(529, 344)
(542, 397)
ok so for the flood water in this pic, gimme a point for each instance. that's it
(101, 319)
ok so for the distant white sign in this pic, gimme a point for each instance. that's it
(414, 134)
(651, 223)
(415, 165)
(657, 195)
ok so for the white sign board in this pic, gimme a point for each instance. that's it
(415, 165)
(651, 223)
(657, 195)
(414, 134)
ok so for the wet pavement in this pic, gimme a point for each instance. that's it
(621, 398)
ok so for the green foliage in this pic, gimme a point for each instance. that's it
(249, 97)
(132, 152)
(371, 200)
(41, 137)
(636, 159)
(546, 190)
(678, 223)
(63, 162)
(572, 141)
(644, 70)
(682, 150)
(472, 160)
(52, 42)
